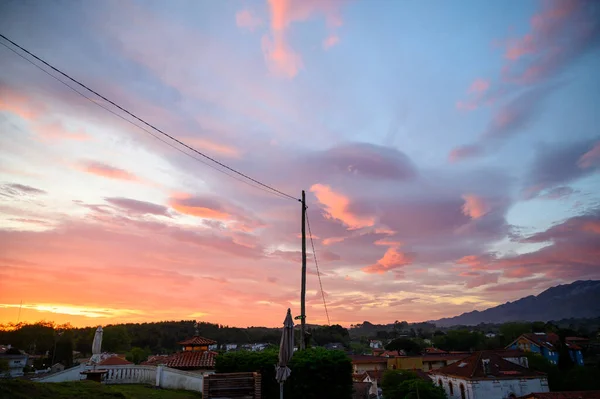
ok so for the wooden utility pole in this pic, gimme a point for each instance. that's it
(303, 291)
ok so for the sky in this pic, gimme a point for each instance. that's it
(450, 158)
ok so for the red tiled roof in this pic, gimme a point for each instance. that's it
(444, 356)
(359, 377)
(509, 353)
(549, 341)
(113, 361)
(563, 395)
(434, 350)
(472, 367)
(192, 360)
(389, 354)
(197, 340)
(366, 359)
(376, 374)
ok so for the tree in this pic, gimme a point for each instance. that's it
(513, 330)
(116, 339)
(407, 345)
(404, 384)
(137, 355)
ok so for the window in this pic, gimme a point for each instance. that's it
(440, 383)
(451, 388)
(462, 392)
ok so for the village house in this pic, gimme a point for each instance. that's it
(547, 346)
(363, 363)
(16, 359)
(194, 356)
(434, 361)
(372, 377)
(486, 375)
(375, 344)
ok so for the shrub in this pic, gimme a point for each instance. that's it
(316, 372)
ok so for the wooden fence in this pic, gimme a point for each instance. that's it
(232, 385)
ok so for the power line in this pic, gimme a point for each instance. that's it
(273, 190)
(141, 127)
(317, 265)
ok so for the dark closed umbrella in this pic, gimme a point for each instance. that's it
(286, 351)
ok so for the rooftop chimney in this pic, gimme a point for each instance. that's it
(486, 366)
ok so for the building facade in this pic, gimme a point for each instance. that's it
(546, 345)
(486, 375)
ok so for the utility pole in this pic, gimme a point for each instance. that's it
(303, 291)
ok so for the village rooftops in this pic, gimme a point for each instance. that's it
(185, 360)
(366, 359)
(197, 340)
(114, 361)
(486, 365)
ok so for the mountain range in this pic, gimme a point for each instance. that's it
(580, 299)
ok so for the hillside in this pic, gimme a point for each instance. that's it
(580, 299)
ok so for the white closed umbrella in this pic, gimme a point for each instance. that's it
(286, 351)
(97, 345)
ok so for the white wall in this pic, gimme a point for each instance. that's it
(72, 374)
(490, 389)
(176, 379)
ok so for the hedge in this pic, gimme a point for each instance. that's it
(316, 372)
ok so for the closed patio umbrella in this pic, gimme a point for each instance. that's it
(286, 351)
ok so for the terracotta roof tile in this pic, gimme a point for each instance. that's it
(192, 360)
(376, 374)
(114, 361)
(197, 340)
(563, 395)
(472, 367)
(365, 359)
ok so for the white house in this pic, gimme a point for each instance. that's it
(486, 375)
(15, 358)
(375, 344)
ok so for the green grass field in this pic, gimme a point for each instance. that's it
(20, 389)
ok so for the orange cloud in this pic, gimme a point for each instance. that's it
(213, 147)
(479, 86)
(333, 240)
(18, 104)
(330, 41)
(392, 259)
(336, 207)
(590, 158)
(188, 205)
(281, 59)
(247, 19)
(475, 206)
(110, 172)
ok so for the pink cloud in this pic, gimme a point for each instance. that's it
(247, 19)
(212, 147)
(464, 152)
(138, 207)
(107, 171)
(336, 207)
(590, 158)
(482, 279)
(475, 206)
(18, 104)
(57, 131)
(479, 86)
(330, 41)
(281, 59)
(392, 259)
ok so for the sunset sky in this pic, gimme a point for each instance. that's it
(449, 152)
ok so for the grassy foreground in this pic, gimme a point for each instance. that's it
(20, 389)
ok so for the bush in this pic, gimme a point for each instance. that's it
(316, 372)
(404, 384)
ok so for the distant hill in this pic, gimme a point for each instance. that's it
(580, 299)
